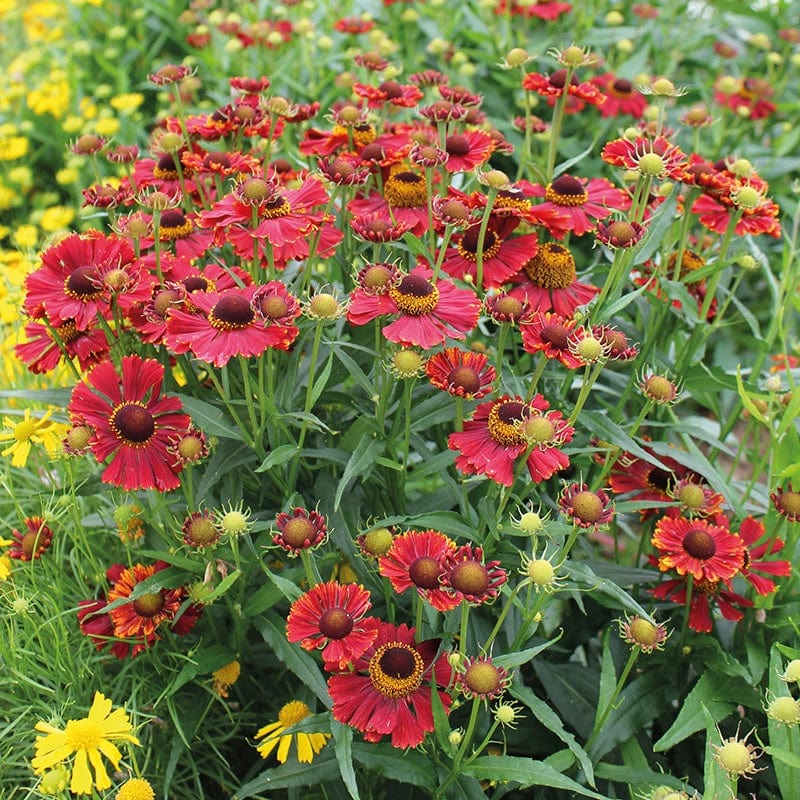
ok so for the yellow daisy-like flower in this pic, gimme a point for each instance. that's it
(5, 561)
(274, 735)
(22, 434)
(225, 677)
(88, 739)
(136, 789)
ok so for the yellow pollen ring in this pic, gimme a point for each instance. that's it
(389, 685)
(400, 193)
(226, 325)
(565, 199)
(504, 433)
(412, 304)
(489, 251)
(175, 232)
(553, 267)
(274, 209)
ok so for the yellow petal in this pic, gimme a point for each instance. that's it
(304, 750)
(273, 726)
(81, 782)
(101, 781)
(318, 740)
(268, 746)
(117, 723)
(101, 707)
(283, 749)
(109, 750)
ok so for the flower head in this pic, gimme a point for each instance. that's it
(226, 676)
(88, 740)
(299, 530)
(275, 735)
(462, 373)
(135, 789)
(480, 677)
(737, 757)
(22, 434)
(639, 632)
(586, 508)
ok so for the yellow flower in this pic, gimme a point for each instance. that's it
(88, 739)
(26, 236)
(126, 103)
(225, 677)
(5, 561)
(56, 218)
(107, 127)
(13, 147)
(274, 735)
(30, 431)
(136, 789)
(51, 98)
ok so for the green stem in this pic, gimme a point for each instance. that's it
(490, 198)
(555, 125)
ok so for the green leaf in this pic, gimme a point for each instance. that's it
(526, 772)
(658, 227)
(784, 756)
(640, 779)
(582, 573)
(322, 379)
(715, 780)
(511, 660)
(263, 598)
(407, 766)
(204, 662)
(290, 774)
(355, 371)
(572, 688)
(716, 694)
(782, 737)
(208, 418)
(343, 740)
(305, 669)
(360, 465)
(441, 725)
(552, 722)
(280, 455)
(608, 679)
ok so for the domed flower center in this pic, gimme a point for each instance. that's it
(424, 572)
(83, 283)
(396, 670)
(588, 507)
(164, 300)
(274, 307)
(557, 336)
(196, 283)
(292, 713)
(335, 623)
(503, 423)
(231, 312)
(620, 87)
(700, 544)
(508, 306)
(372, 152)
(202, 532)
(165, 168)
(414, 295)
(659, 388)
(174, 225)
(789, 503)
(213, 160)
(483, 678)
(83, 734)
(465, 378)
(692, 496)
(468, 246)
(566, 191)
(553, 267)
(377, 542)
(256, 190)
(538, 430)
(377, 277)
(148, 605)
(67, 332)
(405, 190)
(651, 165)
(541, 571)
(469, 577)
(392, 89)
(559, 78)
(621, 233)
(28, 544)
(457, 145)
(132, 423)
(172, 218)
(299, 532)
(644, 633)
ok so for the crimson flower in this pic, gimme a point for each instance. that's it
(416, 558)
(550, 333)
(388, 693)
(389, 93)
(545, 9)
(621, 96)
(552, 87)
(131, 422)
(32, 542)
(470, 577)
(468, 150)
(331, 617)
(462, 373)
(697, 547)
(299, 530)
(656, 158)
(42, 351)
(426, 313)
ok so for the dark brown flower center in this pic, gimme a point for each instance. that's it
(414, 295)
(217, 160)
(503, 422)
(556, 336)
(335, 623)
(391, 89)
(700, 544)
(621, 87)
(559, 78)
(196, 283)
(424, 572)
(660, 479)
(468, 246)
(133, 423)
(82, 283)
(232, 311)
(457, 145)
(396, 670)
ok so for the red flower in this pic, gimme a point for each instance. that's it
(697, 547)
(787, 501)
(79, 276)
(389, 690)
(31, 543)
(703, 592)
(550, 334)
(462, 373)
(503, 255)
(502, 430)
(549, 281)
(416, 558)
(427, 313)
(131, 422)
(552, 87)
(136, 621)
(714, 212)
(470, 578)
(231, 324)
(647, 481)
(42, 351)
(545, 9)
(468, 150)
(756, 555)
(581, 200)
(404, 199)
(331, 617)
(750, 99)
(586, 509)
(621, 96)
(653, 157)
(389, 93)
(300, 530)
